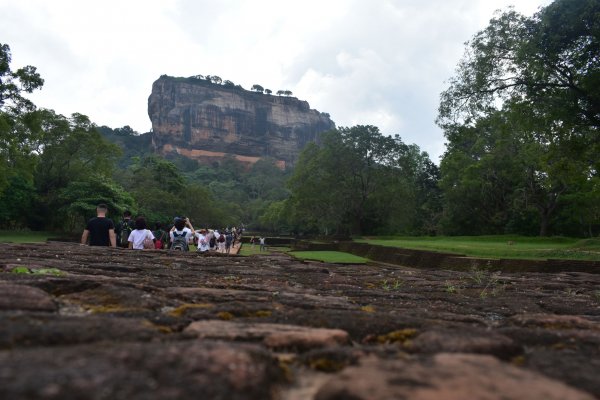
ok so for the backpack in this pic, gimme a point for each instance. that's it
(125, 232)
(148, 243)
(160, 239)
(180, 242)
(221, 239)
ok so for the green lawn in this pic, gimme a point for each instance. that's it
(248, 250)
(24, 236)
(500, 246)
(337, 257)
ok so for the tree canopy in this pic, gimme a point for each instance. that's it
(522, 119)
(359, 181)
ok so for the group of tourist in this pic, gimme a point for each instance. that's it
(134, 234)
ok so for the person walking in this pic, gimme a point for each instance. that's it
(162, 238)
(203, 241)
(141, 237)
(100, 230)
(181, 234)
(124, 228)
(263, 246)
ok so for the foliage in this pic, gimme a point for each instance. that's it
(358, 180)
(15, 139)
(522, 117)
(74, 158)
(241, 194)
(80, 198)
(14, 83)
(16, 203)
(133, 145)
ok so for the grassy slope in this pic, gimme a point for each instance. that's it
(502, 246)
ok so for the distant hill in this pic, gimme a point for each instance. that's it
(132, 143)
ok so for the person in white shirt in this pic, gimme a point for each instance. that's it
(182, 227)
(203, 241)
(263, 246)
(141, 238)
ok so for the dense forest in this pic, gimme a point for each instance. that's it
(521, 118)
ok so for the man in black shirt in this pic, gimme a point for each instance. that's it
(100, 230)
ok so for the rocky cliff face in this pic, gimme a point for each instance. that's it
(207, 122)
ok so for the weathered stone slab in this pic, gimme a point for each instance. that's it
(272, 335)
(151, 315)
(21, 297)
(464, 341)
(50, 330)
(184, 370)
(444, 376)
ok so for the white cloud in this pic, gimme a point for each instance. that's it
(382, 63)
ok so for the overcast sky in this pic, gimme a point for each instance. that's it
(376, 62)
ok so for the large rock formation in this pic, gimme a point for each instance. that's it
(205, 121)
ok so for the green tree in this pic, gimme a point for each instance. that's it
(72, 150)
(549, 61)
(14, 83)
(357, 181)
(257, 88)
(522, 118)
(79, 200)
(17, 209)
(274, 217)
(16, 156)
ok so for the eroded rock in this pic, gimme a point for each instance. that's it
(444, 376)
(77, 321)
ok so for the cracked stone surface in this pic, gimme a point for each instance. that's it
(81, 322)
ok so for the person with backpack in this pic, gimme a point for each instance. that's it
(141, 237)
(228, 241)
(180, 235)
(161, 236)
(220, 241)
(124, 229)
(212, 241)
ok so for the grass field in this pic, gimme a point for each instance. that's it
(248, 250)
(500, 246)
(329, 256)
(24, 236)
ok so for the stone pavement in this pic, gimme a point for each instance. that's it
(96, 323)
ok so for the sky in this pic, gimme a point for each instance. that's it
(365, 62)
